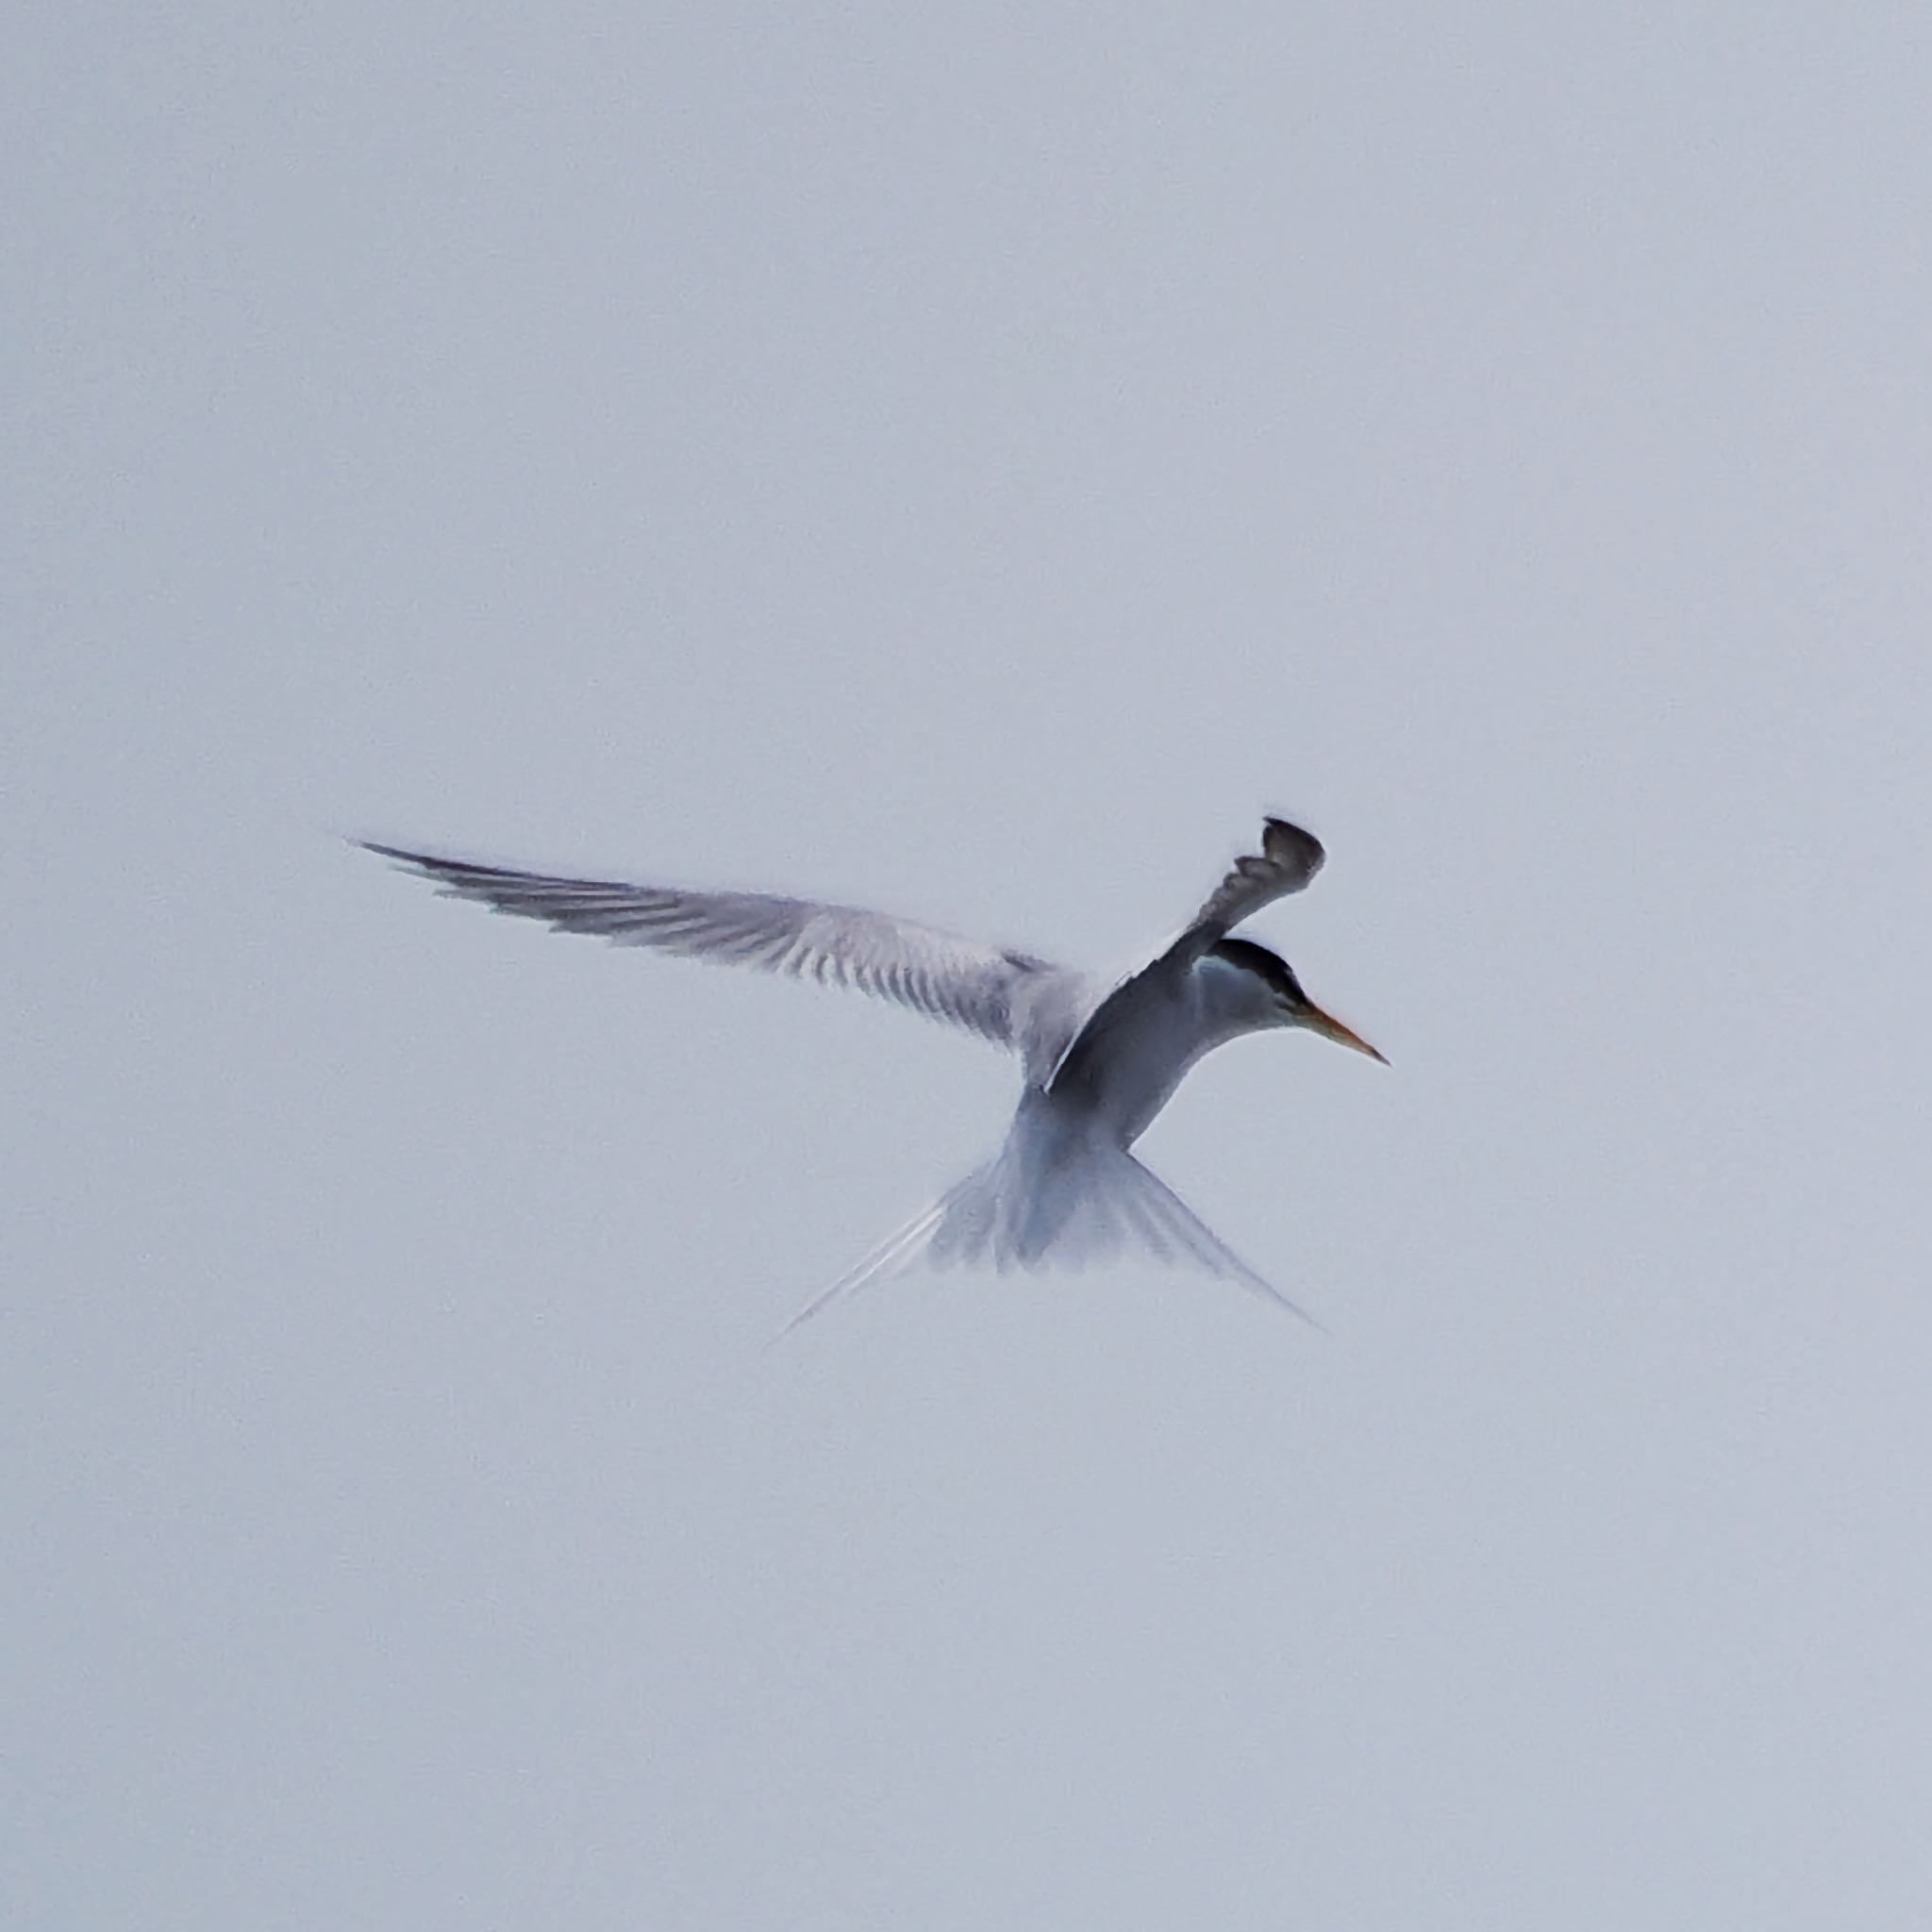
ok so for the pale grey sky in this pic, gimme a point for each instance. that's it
(974, 464)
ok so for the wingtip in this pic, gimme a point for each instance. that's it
(394, 854)
(1283, 840)
(428, 865)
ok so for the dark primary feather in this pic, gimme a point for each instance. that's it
(1288, 859)
(934, 972)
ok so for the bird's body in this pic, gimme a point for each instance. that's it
(1131, 1052)
(1098, 1060)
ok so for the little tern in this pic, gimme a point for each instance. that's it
(1098, 1060)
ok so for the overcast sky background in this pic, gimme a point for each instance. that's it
(972, 462)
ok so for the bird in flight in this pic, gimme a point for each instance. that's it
(1098, 1060)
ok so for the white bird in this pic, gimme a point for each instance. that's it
(1098, 1062)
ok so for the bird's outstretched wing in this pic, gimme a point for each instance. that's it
(984, 988)
(1288, 859)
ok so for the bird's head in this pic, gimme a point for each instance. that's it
(1266, 994)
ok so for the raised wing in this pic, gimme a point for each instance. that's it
(984, 988)
(1288, 859)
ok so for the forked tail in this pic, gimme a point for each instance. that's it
(1058, 1202)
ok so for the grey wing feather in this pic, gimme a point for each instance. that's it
(1288, 859)
(984, 988)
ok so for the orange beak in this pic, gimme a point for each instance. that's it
(1316, 1021)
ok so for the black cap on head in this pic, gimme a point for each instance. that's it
(1264, 964)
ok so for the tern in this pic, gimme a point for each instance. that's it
(1098, 1059)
